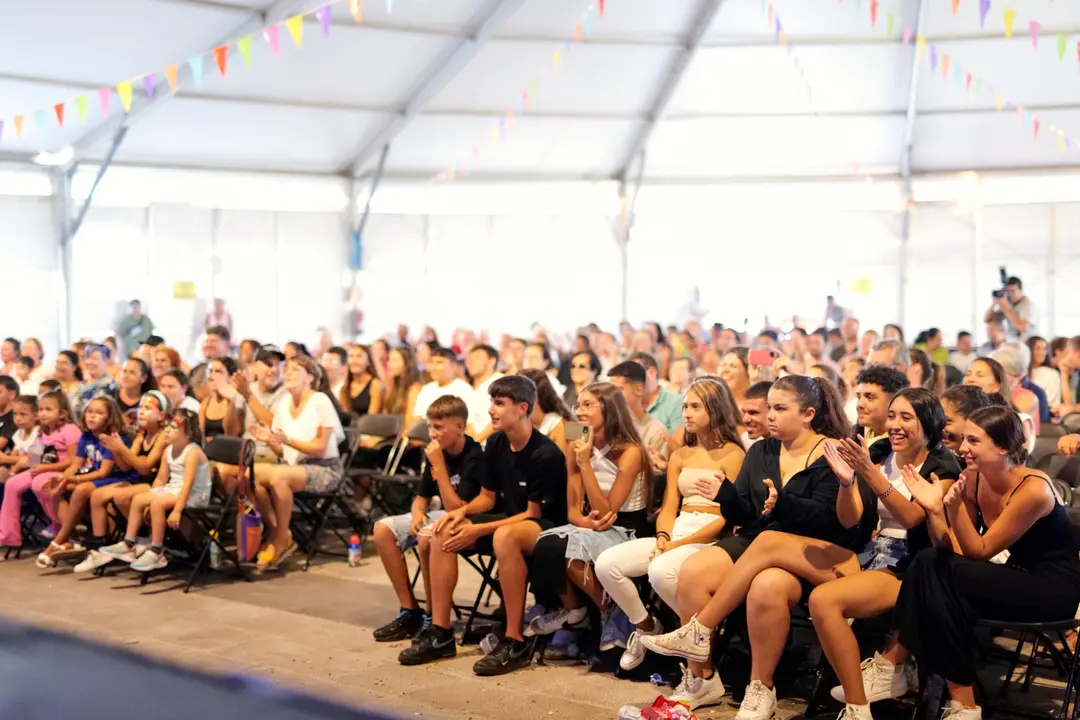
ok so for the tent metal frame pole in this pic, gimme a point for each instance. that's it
(906, 157)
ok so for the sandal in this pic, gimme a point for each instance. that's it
(266, 557)
(68, 553)
(47, 559)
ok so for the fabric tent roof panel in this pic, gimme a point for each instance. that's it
(622, 18)
(502, 70)
(202, 133)
(745, 19)
(991, 141)
(770, 147)
(585, 147)
(105, 42)
(448, 15)
(764, 80)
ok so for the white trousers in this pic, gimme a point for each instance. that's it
(616, 567)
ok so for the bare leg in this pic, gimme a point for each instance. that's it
(963, 694)
(119, 493)
(512, 544)
(444, 576)
(394, 563)
(80, 496)
(160, 505)
(423, 546)
(894, 652)
(261, 496)
(814, 560)
(768, 618)
(139, 506)
(699, 579)
(862, 595)
(582, 575)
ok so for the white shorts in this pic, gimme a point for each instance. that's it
(195, 499)
(401, 524)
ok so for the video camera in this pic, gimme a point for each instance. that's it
(998, 294)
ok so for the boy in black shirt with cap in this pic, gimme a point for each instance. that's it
(524, 492)
(454, 473)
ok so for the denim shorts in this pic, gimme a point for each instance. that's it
(401, 524)
(884, 553)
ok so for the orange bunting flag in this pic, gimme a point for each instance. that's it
(1036, 125)
(1010, 18)
(296, 29)
(123, 89)
(945, 66)
(770, 14)
(58, 108)
(244, 46)
(356, 7)
(80, 106)
(577, 32)
(18, 119)
(170, 75)
(955, 6)
(221, 57)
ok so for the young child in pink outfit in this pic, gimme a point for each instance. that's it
(56, 442)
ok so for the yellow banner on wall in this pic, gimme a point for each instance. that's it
(862, 286)
(184, 291)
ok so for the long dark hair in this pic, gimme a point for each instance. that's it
(619, 429)
(720, 404)
(546, 398)
(821, 395)
(1031, 341)
(928, 411)
(1005, 430)
(114, 419)
(933, 375)
(995, 368)
(148, 382)
(836, 379)
(397, 389)
(73, 358)
(967, 399)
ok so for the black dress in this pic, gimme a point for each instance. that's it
(360, 403)
(943, 593)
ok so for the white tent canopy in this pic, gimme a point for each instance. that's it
(738, 110)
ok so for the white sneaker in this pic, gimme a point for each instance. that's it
(880, 679)
(93, 561)
(698, 692)
(634, 653)
(759, 702)
(555, 620)
(957, 711)
(692, 641)
(120, 551)
(148, 561)
(855, 712)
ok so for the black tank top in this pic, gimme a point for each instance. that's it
(124, 407)
(144, 451)
(360, 403)
(213, 428)
(1049, 546)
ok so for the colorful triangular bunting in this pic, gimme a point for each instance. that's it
(323, 16)
(244, 46)
(221, 58)
(295, 24)
(80, 107)
(123, 89)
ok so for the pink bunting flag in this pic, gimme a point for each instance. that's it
(1033, 29)
(323, 15)
(873, 13)
(1036, 125)
(273, 38)
(984, 9)
(907, 36)
(967, 81)
(601, 5)
(104, 95)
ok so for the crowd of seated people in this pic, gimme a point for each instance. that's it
(839, 469)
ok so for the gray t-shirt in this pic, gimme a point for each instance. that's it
(268, 400)
(1022, 309)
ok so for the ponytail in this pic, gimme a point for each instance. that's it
(821, 395)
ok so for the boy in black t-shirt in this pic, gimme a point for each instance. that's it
(524, 492)
(9, 390)
(454, 473)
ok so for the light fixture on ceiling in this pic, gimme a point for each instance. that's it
(56, 159)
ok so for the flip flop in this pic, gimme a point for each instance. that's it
(281, 558)
(266, 557)
(76, 550)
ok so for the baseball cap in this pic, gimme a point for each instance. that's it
(269, 351)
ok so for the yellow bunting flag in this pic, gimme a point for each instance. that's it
(80, 106)
(123, 89)
(244, 46)
(920, 43)
(1010, 18)
(170, 75)
(1061, 139)
(296, 29)
(556, 59)
(356, 7)
(1062, 45)
(999, 102)
(18, 119)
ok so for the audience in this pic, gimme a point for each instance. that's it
(631, 378)
(666, 407)
(964, 354)
(220, 412)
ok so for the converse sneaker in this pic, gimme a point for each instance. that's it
(855, 712)
(549, 622)
(957, 711)
(692, 641)
(698, 692)
(881, 680)
(635, 651)
(759, 702)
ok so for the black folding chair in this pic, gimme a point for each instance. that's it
(372, 461)
(392, 492)
(1071, 422)
(214, 521)
(485, 566)
(32, 518)
(1053, 430)
(311, 510)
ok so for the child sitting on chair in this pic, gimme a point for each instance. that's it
(17, 457)
(183, 481)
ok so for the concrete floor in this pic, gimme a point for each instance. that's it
(311, 631)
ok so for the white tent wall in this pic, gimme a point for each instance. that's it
(33, 284)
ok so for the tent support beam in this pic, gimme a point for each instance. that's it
(621, 231)
(908, 152)
(437, 75)
(695, 38)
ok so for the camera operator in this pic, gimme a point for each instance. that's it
(1012, 309)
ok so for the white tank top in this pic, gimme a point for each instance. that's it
(176, 472)
(688, 486)
(607, 471)
(888, 525)
(549, 423)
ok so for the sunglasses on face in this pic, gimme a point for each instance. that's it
(579, 367)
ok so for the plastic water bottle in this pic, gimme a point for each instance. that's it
(356, 549)
(489, 643)
(216, 558)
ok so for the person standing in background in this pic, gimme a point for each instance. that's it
(134, 329)
(219, 317)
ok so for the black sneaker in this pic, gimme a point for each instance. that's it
(404, 626)
(435, 643)
(508, 656)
